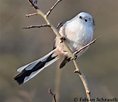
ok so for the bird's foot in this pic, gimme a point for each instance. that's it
(62, 39)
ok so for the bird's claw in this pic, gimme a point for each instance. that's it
(74, 58)
(62, 39)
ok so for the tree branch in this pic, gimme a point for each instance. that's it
(32, 14)
(83, 79)
(34, 3)
(87, 45)
(48, 13)
(36, 26)
(80, 73)
(53, 95)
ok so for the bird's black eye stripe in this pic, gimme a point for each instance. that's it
(80, 17)
(86, 20)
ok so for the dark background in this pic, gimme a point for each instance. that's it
(19, 47)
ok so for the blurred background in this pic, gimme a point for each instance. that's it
(19, 47)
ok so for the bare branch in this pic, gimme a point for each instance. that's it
(34, 3)
(53, 95)
(36, 26)
(93, 41)
(48, 13)
(32, 14)
(59, 25)
(81, 74)
(83, 79)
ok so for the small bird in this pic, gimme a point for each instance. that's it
(76, 32)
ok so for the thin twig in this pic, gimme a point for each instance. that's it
(87, 45)
(53, 95)
(83, 79)
(59, 25)
(31, 14)
(36, 26)
(48, 13)
(34, 3)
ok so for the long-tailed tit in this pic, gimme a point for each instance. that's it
(77, 33)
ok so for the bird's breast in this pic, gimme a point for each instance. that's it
(78, 35)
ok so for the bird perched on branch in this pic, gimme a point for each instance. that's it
(76, 32)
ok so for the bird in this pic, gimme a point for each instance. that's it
(76, 32)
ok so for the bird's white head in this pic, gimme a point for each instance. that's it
(86, 19)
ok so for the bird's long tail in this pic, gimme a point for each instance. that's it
(32, 69)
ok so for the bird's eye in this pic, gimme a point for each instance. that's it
(80, 17)
(86, 20)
